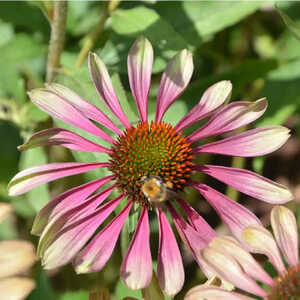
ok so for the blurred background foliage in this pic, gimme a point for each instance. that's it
(255, 44)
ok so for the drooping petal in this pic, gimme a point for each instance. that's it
(139, 62)
(70, 215)
(64, 201)
(261, 241)
(212, 98)
(16, 288)
(95, 255)
(16, 257)
(66, 243)
(170, 272)
(174, 80)
(193, 240)
(197, 221)
(203, 292)
(249, 183)
(226, 267)
(105, 88)
(230, 246)
(233, 214)
(64, 138)
(285, 230)
(32, 177)
(136, 269)
(57, 107)
(250, 143)
(231, 117)
(85, 107)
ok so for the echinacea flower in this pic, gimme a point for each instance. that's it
(232, 262)
(150, 163)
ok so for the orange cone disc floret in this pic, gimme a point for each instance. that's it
(287, 285)
(151, 150)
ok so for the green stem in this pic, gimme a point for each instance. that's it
(57, 39)
(94, 34)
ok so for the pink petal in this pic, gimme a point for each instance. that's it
(105, 88)
(194, 240)
(70, 240)
(198, 223)
(213, 293)
(249, 183)
(64, 201)
(260, 240)
(70, 215)
(87, 109)
(136, 269)
(231, 247)
(212, 98)
(140, 60)
(250, 143)
(233, 214)
(227, 268)
(32, 177)
(95, 255)
(285, 230)
(64, 138)
(57, 107)
(230, 117)
(174, 80)
(170, 272)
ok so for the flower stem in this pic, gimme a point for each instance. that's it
(94, 34)
(57, 39)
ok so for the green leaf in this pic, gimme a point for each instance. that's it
(43, 289)
(123, 291)
(290, 23)
(37, 197)
(196, 21)
(282, 90)
(131, 23)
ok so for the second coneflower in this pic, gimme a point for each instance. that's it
(149, 163)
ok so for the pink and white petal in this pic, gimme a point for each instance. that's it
(249, 183)
(139, 62)
(32, 177)
(95, 255)
(226, 267)
(260, 240)
(212, 99)
(136, 269)
(105, 87)
(194, 241)
(87, 109)
(233, 214)
(66, 243)
(198, 223)
(170, 272)
(64, 138)
(231, 247)
(66, 201)
(230, 117)
(69, 216)
(57, 107)
(174, 80)
(250, 143)
(285, 230)
(204, 292)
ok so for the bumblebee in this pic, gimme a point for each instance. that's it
(157, 191)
